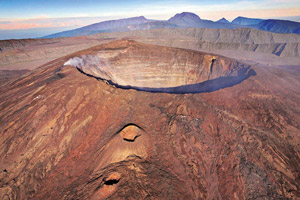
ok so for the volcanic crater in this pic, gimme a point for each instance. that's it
(131, 65)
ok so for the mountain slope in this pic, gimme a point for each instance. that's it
(144, 26)
(246, 21)
(97, 27)
(279, 26)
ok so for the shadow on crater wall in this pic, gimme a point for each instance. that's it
(206, 86)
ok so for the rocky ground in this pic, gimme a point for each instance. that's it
(66, 135)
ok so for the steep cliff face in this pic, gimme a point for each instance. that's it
(29, 54)
(66, 135)
(239, 35)
(284, 45)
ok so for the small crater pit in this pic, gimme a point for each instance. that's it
(112, 179)
(130, 133)
(111, 182)
(110, 186)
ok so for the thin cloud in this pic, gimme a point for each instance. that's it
(14, 24)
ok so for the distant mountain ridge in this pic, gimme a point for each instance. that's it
(279, 26)
(246, 21)
(181, 20)
(101, 26)
(186, 19)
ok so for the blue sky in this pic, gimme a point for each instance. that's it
(65, 14)
(96, 8)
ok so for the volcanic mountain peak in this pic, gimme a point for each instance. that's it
(101, 26)
(223, 20)
(185, 19)
(185, 15)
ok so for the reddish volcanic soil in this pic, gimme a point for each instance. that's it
(67, 135)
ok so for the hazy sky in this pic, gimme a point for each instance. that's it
(37, 14)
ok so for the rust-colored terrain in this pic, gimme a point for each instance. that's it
(224, 129)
